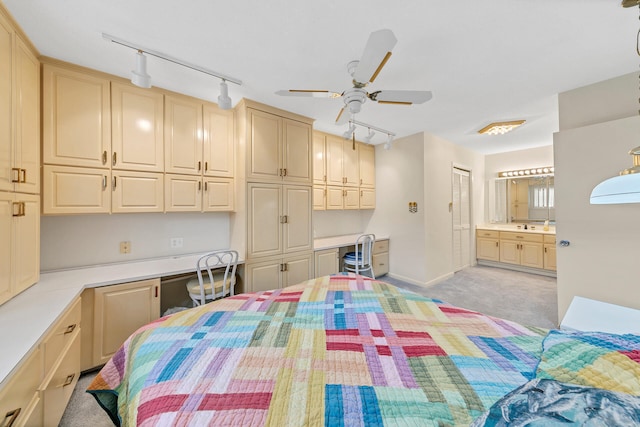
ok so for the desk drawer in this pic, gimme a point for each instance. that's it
(18, 397)
(61, 335)
(381, 246)
(380, 264)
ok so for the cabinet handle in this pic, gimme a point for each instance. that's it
(115, 182)
(285, 171)
(205, 185)
(104, 182)
(156, 291)
(361, 192)
(17, 175)
(104, 157)
(324, 178)
(497, 244)
(206, 166)
(69, 380)
(360, 181)
(284, 219)
(14, 205)
(199, 185)
(21, 209)
(13, 416)
(24, 175)
(114, 158)
(281, 267)
(545, 250)
(519, 237)
(70, 329)
(199, 166)
(286, 266)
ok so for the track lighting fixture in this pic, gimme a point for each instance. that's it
(387, 145)
(224, 102)
(352, 127)
(350, 131)
(142, 79)
(139, 76)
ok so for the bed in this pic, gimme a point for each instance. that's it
(336, 350)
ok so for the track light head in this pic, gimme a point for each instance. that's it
(349, 132)
(224, 102)
(387, 145)
(139, 76)
(370, 135)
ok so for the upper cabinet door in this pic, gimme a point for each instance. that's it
(219, 153)
(350, 166)
(76, 118)
(183, 135)
(367, 166)
(265, 148)
(6, 107)
(27, 138)
(137, 128)
(334, 161)
(319, 159)
(297, 149)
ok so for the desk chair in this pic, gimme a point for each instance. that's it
(219, 280)
(360, 260)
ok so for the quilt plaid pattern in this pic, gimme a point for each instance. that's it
(336, 350)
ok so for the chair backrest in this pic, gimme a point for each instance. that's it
(364, 246)
(214, 261)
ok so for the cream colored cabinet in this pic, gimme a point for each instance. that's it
(218, 141)
(38, 392)
(76, 120)
(278, 272)
(19, 114)
(367, 165)
(279, 148)
(119, 310)
(71, 190)
(380, 257)
(279, 219)
(137, 128)
(20, 247)
(190, 193)
(134, 191)
(488, 245)
(521, 248)
(319, 159)
(319, 198)
(326, 262)
(342, 198)
(367, 198)
(20, 400)
(342, 162)
(550, 252)
(183, 135)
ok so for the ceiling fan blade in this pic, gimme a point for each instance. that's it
(343, 117)
(309, 93)
(375, 55)
(403, 97)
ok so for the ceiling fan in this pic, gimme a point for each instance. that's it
(364, 71)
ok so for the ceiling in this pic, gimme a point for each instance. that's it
(484, 61)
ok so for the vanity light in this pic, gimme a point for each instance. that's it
(528, 172)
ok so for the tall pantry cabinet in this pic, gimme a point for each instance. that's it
(19, 161)
(278, 169)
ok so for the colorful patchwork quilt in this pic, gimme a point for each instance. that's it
(333, 351)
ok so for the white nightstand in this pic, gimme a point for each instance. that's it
(585, 314)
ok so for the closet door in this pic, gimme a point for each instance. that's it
(461, 216)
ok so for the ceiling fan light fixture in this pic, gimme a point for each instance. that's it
(224, 102)
(500, 128)
(139, 76)
(621, 189)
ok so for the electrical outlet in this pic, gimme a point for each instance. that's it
(125, 247)
(176, 242)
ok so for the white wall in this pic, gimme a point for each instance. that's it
(418, 169)
(79, 240)
(339, 222)
(601, 261)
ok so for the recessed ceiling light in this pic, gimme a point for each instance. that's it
(499, 128)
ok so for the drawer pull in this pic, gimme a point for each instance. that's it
(70, 329)
(69, 380)
(12, 415)
(519, 237)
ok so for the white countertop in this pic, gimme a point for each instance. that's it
(514, 227)
(26, 318)
(339, 241)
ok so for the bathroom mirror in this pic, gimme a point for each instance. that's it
(527, 199)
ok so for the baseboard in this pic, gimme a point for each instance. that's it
(403, 278)
(418, 283)
(541, 272)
